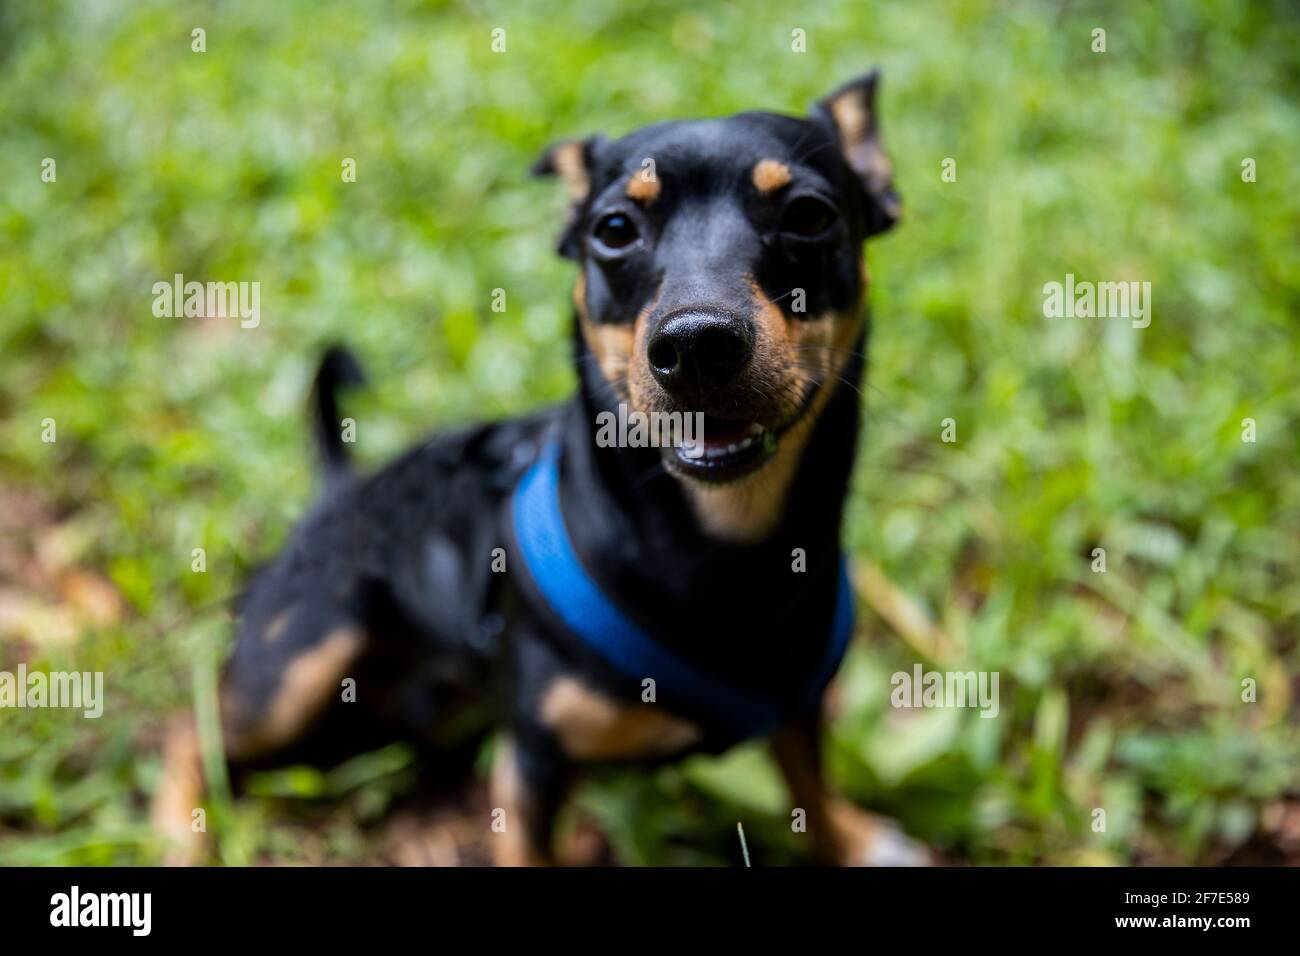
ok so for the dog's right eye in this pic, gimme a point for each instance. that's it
(807, 217)
(615, 232)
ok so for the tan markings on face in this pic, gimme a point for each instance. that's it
(770, 175)
(643, 187)
(768, 361)
(308, 684)
(748, 509)
(812, 352)
(610, 344)
(772, 334)
(571, 167)
(641, 385)
(612, 347)
(620, 351)
(591, 726)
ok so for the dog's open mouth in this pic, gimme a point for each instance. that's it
(727, 449)
(730, 448)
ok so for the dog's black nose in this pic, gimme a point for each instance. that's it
(697, 349)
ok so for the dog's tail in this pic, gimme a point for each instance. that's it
(339, 369)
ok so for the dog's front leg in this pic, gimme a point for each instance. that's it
(527, 790)
(843, 834)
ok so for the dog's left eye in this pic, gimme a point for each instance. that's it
(615, 232)
(807, 217)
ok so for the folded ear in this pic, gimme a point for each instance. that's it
(572, 160)
(851, 112)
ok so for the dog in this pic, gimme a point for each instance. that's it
(606, 602)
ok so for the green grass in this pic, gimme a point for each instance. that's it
(1120, 691)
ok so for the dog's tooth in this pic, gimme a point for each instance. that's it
(756, 429)
(731, 449)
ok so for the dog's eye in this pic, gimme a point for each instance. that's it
(807, 217)
(616, 231)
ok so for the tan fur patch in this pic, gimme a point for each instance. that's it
(179, 793)
(513, 846)
(580, 296)
(770, 175)
(591, 726)
(571, 166)
(642, 188)
(851, 118)
(842, 833)
(612, 345)
(772, 344)
(306, 687)
(748, 509)
(641, 384)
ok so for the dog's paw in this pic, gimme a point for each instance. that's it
(864, 839)
(890, 846)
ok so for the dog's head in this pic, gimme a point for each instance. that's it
(722, 272)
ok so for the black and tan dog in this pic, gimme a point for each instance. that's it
(598, 603)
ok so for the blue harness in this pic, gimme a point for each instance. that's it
(590, 616)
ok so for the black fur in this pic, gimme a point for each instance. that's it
(338, 369)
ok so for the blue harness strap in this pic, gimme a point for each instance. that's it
(594, 619)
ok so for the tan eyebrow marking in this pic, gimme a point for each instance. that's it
(770, 175)
(641, 188)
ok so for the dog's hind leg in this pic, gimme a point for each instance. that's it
(280, 680)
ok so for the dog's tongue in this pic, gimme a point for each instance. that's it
(721, 431)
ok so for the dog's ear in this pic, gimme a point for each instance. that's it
(572, 160)
(851, 112)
